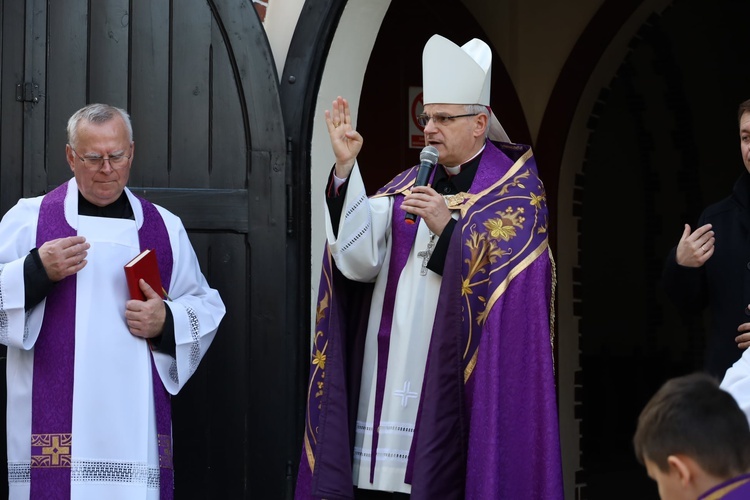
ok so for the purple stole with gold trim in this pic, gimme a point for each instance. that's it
(54, 361)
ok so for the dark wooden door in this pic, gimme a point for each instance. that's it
(199, 81)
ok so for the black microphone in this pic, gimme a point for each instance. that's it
(427, 160)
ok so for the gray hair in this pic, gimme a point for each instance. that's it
(480, 109)
(96, 113)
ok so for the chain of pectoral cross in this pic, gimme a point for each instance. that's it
(426, 254)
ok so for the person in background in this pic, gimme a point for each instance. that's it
(89, 370)
(695, 441)
(709, 266)
(432, 369)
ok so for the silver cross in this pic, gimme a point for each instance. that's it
(426, 254)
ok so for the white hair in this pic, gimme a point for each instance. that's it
(96, 113)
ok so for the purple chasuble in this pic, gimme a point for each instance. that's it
(487, 422)
(737, 488)
(54, 360)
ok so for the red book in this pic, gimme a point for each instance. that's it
(143, 265)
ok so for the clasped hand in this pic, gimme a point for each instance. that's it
(145, 319)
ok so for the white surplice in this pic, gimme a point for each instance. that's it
(114, 445)
(361, 249)
(736, 382)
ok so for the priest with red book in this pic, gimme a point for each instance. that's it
(90, 370)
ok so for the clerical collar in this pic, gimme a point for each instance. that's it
(445, 184)
(118, 209)
(457, 169)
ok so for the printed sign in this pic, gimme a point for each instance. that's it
(416, 133)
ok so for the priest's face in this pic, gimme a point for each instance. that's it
(745, 139)
(101, 159)
(456, 139)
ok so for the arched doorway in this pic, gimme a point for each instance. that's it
(652, 144)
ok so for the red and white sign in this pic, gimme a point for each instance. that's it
(416, 133)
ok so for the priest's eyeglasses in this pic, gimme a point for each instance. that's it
(96, 162)
(439, 119)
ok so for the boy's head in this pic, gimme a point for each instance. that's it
(691, 436)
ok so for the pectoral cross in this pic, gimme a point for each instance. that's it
(426, 254)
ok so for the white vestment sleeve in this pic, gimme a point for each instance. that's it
(17, 239)
(196, 308)
(359, 247)
(737, 382)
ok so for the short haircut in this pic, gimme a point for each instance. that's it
(96, 113)
(744, 108)
(691, 415)
(479, 109)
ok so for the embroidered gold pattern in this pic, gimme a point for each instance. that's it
(516, 182)
(51, 450)
(165, 451)
(504, 227)
(485, 243)
(319, 359)
(455, 201)
(321, 310)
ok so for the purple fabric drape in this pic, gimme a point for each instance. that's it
(54, 353)
(153, 234)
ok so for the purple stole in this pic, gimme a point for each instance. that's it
(54, 359)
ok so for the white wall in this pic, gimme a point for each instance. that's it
(343, 76)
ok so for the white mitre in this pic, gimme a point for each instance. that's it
(459, 75)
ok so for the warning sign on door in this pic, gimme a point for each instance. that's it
(416, 133)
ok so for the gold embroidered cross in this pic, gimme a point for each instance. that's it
(56, 450)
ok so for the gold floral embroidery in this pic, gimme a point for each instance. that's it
(483, 251)
(319, 359)
(504, 227)
(536, 201)
(455, 201)
(485, 246)
(516, 182)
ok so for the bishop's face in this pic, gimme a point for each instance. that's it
(458, 139)
(101, 184)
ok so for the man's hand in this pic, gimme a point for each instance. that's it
(146, 318)
(64, 256)
(695, 248)
(428, 204)
(346, 141)
(743, 339)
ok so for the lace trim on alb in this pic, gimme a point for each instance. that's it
(89, 471)
(384, 455)
(195, 348)
(403, 428)
(19, 472)
(4, 333)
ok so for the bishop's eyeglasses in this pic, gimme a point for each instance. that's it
(439, 119)
(96, 162)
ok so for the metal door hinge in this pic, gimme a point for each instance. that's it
(27, 92)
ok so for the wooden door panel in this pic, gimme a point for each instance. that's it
(199, 81)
